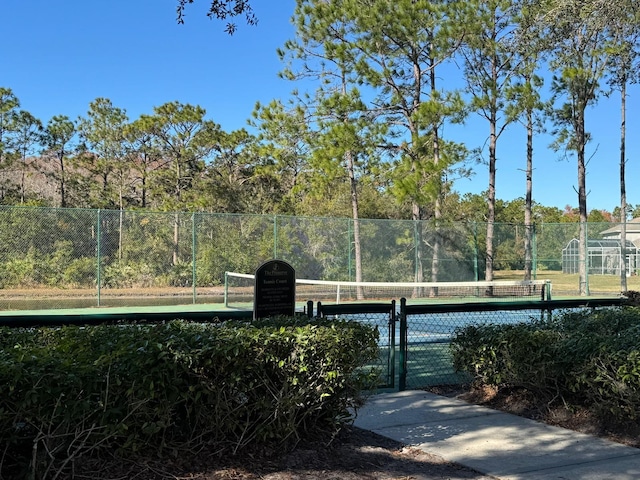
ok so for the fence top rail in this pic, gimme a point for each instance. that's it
(423, 309)
(356, 308)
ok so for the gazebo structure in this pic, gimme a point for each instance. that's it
(603, 257)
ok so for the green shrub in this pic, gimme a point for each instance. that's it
(21, 272)
(58, 268)
(72, 391)
(180, 275)
(591, 356)
(522, 355)
(607, 368)
(127, 275)
(80, 272)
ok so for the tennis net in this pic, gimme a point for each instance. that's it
(238, 290)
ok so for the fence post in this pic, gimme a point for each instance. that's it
(475, 251)
(275, 236)
(534, 251)
(226, 290)
(586, 260)
(402, 379)
(98, 263)
(349, 247)
(392, 345)
(193, 256)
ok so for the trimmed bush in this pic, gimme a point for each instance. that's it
(522, 355)
(591, 357)
(164, 388)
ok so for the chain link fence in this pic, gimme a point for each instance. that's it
(55, 258)
(426, 343)
(382, 316)
(415, 338)
(425, 333)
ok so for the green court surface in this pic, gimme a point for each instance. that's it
(428, 365)
(93, 315)
(431, 364)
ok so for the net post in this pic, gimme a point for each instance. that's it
(310, 308)
(226, 289)
(402, 379)
(547, 288)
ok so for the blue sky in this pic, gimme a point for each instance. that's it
(59, 56)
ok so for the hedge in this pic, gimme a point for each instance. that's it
(590, 356)
(164, 388)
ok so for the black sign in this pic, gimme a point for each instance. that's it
(274, 290)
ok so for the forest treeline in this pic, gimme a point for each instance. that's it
(368, 138)
(238, 173)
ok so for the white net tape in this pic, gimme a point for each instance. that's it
(239, 288)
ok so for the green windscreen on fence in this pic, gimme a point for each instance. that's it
(62, 258)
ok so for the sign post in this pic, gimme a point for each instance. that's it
(274, 290)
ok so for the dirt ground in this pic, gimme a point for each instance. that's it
(356, 454)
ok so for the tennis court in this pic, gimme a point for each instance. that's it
(427, 338)
(414, 342)
(414, 333)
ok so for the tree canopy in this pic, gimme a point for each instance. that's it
(223, 10)
(371, 133)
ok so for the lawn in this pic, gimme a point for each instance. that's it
(566, 285)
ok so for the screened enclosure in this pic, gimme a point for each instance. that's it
(604, 257)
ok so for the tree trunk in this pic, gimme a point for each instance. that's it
(176, 239)
(623, 189)
(491, 196)
(491, 203)
(23, 169)
(416, 215)
(437, 241)
(63, 196)
(353, 187)
(176, 223)
(582, 206)
(356, 222)
(528, 203)
(120, 222)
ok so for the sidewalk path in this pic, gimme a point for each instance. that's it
(495, 443)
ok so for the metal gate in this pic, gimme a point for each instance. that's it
(380, 315)
(426, 330)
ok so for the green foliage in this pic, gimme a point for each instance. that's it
(80, 272)
(592, 356)
(181, 275)
(163, 388)
(515, 355)
(604, 357)
(127, 275)
(59, 268)
(60, 247)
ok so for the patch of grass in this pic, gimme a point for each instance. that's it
(564, 284)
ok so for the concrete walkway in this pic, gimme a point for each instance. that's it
(494, 443)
